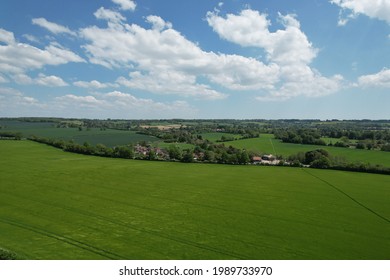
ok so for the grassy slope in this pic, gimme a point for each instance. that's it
(57, 205)
(267, 144)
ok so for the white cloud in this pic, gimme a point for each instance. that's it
(170, 83)
(93, 84)
(52, 27)
(16, 58)
(289, 53)
(251, 29)
(3, 80)
(43, 80)
(50, 81)
(117, 104)
(31, 38)
(71, 100)
(12, 100)
(126, 4)
(378, 80)
(6, 37)
(158, 23)
(23, 79)
(161, 60)
(379, 9)
(109, 15)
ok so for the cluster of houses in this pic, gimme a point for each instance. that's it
(265, 159)
(145, 150)
(162, 154)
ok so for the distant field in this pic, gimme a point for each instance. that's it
(214, 136)
(58, 205)
(329, 140)
(266, 143)
(93, 136)
(181, 146)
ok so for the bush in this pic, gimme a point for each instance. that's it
(7, 255)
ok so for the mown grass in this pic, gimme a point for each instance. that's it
(58, 205)
(266, 143)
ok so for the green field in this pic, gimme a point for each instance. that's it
(214, 136)
(108, 137)
(266, 143)
(58, 205)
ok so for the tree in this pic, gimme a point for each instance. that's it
(151, 155)
(174, 152)
(209, 156)
(314, 155)
(321, 162)
(243, 157)
(123, 152)
(187, 156)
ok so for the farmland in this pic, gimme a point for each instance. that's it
(266, 143)
(108, 137)
(58, 205)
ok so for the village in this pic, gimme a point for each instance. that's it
(156, 153)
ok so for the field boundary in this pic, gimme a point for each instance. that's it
(348, 196)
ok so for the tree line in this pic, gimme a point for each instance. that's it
(322, 159)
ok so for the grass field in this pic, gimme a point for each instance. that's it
(58, 205)
(214, 136)
(109, 137)
(266, 143)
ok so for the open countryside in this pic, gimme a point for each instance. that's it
(58, 205)
(195, 130)
(266, 143)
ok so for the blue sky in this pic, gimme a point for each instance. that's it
(195, 59)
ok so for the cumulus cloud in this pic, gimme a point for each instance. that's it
(6, 37)
(93, 84)
(79, 101)
(126, 5)
(379, 9)
(161, 60)
(43, 80)
(52, 27)
(378, 80)
(289, 53)
(251, 29)
(170, 83)
(16, 58)
(12, 100)
(158, 23)
(109, 15)
(50, 81)
(122, 105)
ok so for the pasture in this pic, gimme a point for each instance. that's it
(266, 143)
(58, 205)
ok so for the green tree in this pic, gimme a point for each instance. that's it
(174, 152)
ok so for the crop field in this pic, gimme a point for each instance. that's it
(108, 137)
(214, 136)
(266, 143)
(58, 205)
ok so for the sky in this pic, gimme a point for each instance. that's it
(195, 59)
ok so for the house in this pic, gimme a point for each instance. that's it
(256, 159)
(268, 157)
